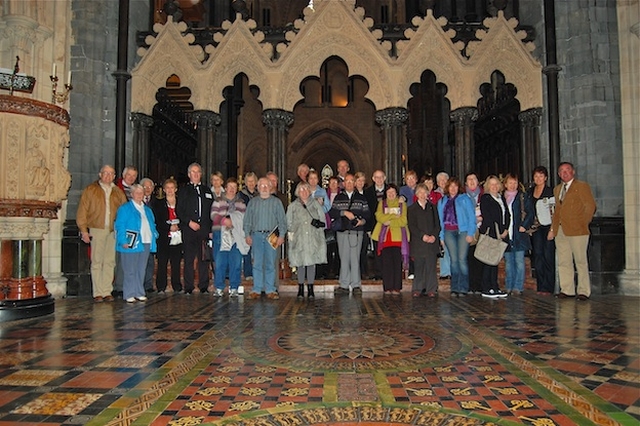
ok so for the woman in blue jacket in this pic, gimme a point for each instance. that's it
(457, 229)
(136, 234)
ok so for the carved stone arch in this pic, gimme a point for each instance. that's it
(222, 74)
(326, 142)
(359, 60)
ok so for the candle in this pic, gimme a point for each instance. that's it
(69, 79)
(54, 70)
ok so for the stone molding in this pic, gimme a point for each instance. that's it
(33, 108)
(29, 208)
(141, 120)
(23, 228)
(531, 117)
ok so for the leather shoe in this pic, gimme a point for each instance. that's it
(582, 297)
(563, 296)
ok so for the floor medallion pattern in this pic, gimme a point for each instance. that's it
(368, 360)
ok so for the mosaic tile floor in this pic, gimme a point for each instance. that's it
(363, 360)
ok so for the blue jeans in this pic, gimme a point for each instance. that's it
(458, 247)
(227, 264)
(264, 264)
(514, 268)
(247, 267)
(445, 263)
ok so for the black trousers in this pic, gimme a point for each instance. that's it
(475, 270)
(169, 255)
(489, 278)
(391, 259)
(193, 243)
(544, 260)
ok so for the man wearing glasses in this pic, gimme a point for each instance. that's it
(96, 214)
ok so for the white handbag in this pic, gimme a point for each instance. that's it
(175, 238)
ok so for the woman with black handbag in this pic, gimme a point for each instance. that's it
(495, 221)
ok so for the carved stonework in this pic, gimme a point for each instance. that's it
(23, 228)
(33, 155)
(464, 116)
(208, 119)
(391, 117)
(336, 28)
(530, 117)
(278, 119)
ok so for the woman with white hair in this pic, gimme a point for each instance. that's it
(307, 248)
(136, 234)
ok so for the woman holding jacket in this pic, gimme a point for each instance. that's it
(136, 234)
(495, 220)
(457, 229)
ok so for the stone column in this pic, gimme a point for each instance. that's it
(629, 45)
(464, 149)
(206, 122)
(530, 142)
(392, 121)
(278, 122)
(141, 134)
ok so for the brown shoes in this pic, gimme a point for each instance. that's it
(253, 295)
(563, 296)
(98, 299)
(108, 298)
(582, 297)
(273, 296)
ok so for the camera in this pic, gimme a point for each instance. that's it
(317, 223)
(354, 221)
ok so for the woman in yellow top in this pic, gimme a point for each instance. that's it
(392, 233)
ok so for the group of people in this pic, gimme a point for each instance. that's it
(408, 228)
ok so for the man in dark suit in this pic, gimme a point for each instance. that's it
(374, 194)
(575, 207)
(193, 209)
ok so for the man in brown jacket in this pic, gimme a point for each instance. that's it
(575, 207)
(96, 214)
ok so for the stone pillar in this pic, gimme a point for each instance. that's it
(278, 122)
(392, 121)
(206, 122)
(629, 45)
(464, 149)
(141, 134)
(530, 142)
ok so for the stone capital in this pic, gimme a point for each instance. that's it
(206, 119)
(389, 117)
(277, 118)
(530, 117)
(141, 120)
(464, 116)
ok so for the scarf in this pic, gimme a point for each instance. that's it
(404, 245)
(510, 196)
(474, 194)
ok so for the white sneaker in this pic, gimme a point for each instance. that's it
(131, 300)
(233, 293)
(240, 289)
(490, 294)
(411, 276)
(142, 298)
(218, 292)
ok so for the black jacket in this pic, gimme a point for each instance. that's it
(187, 209)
